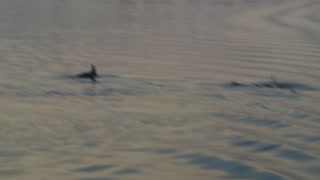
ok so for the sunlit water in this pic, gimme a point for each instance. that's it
(163, 107)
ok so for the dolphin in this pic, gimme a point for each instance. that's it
(274, 84)
(92, 74)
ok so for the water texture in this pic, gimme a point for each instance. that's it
(163, 106)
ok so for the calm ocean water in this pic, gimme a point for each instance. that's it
(163, 106)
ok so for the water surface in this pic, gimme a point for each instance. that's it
(163, 107)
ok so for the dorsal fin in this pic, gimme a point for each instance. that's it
(93, 70)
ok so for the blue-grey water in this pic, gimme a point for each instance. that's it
(163, 106)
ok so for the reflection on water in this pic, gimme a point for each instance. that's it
(163, 106)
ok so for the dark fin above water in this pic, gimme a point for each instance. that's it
(93, 70)
(91, 75)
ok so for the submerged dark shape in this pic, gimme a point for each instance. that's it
(92, 74)
(266, 84)
(274, 84)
